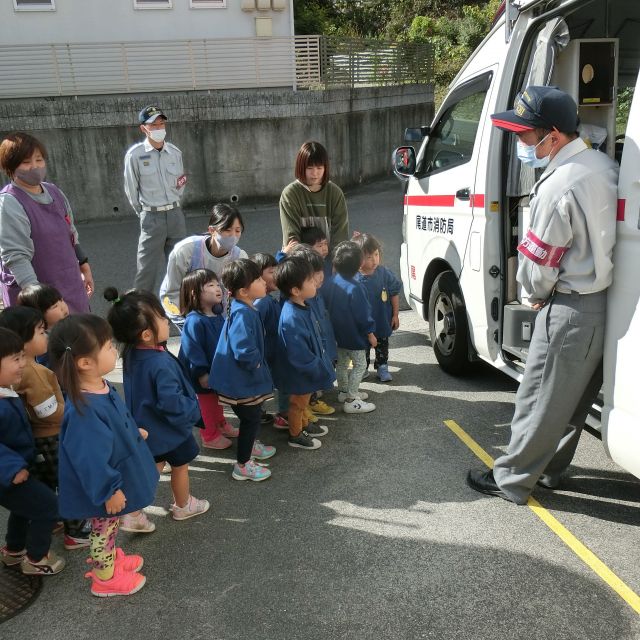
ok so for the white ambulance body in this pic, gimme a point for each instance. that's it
(466, 199)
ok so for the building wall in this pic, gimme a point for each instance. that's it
(240, 142)
(87, 21)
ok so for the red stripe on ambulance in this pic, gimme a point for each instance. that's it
(429, 201)
(475, 200)
(621, 207)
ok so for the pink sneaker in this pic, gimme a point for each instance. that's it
(136, 524)
(121, 584)
(128, 563)
(217, 443)
(229, 430)
(262, 451)
(250, 471)
(194, 507)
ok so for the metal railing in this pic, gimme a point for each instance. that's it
(354, 62)
(302, 62)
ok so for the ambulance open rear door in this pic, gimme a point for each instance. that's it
(621, 411)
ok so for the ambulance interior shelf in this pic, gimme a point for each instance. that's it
(587, 69)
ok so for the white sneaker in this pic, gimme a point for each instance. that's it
(194, 507)
(358, 406)
(361, 395)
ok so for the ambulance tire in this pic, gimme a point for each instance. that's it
(448, 328)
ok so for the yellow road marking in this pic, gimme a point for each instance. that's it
(470, 442)
(587, 556)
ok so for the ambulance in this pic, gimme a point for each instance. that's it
(466, 202)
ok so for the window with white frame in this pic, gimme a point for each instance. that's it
(34, 5)
(208, 4)
(152, 4)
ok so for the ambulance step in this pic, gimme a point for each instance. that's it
(519, 352)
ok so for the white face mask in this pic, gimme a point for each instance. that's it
(225, 242)
(157, 135)
(527, 154)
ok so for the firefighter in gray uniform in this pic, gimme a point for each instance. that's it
(566, 268)
(154, 181)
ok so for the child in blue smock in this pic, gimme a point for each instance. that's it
(32, 505)
(239, 372)
(44, 403)
(316, 238)
(383, 291)
(353, 326)
(304, 365)
(269, 308)
(317, 305)
(201, 305)
(159, 395)
(105, 467)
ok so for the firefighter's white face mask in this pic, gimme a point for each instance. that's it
(527, 154)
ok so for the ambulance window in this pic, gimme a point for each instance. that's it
(451, 141)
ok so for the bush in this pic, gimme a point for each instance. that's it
(454, 37)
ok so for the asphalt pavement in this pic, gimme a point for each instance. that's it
(375, 534)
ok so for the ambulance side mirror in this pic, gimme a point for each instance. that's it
(404, 162)
(416, 134)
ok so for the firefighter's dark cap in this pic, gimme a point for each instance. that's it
(151, 114)
(540, 108)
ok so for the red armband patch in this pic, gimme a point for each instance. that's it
(540, 252)
(182, 180)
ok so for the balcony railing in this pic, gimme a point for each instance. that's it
(301, 62)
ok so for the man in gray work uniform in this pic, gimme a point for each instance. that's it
(566, 268)
(154, 181)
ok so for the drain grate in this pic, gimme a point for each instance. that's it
(17, 591)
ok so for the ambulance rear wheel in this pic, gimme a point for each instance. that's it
(448, 327)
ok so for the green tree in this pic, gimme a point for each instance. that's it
(454, 37)
(380, 19)
(453, 27)
(313, 17)
(403, 13)
(362, 18)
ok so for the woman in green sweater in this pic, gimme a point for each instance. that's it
(312, 200)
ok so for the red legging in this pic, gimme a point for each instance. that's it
(212, 416)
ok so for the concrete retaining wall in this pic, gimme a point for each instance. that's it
(234, 142)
